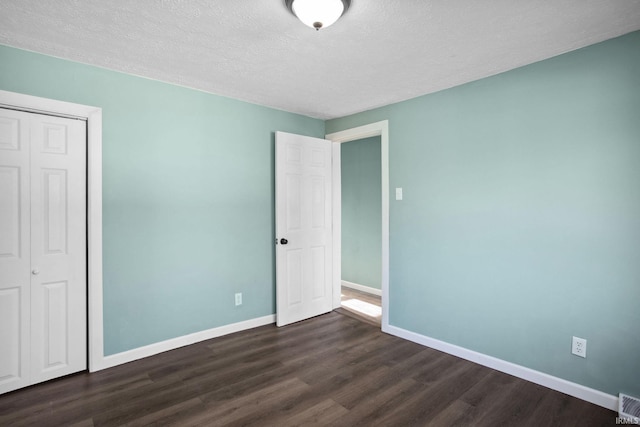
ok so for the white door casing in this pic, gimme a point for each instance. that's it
(49, 153)
(373, 129)
(303, 218)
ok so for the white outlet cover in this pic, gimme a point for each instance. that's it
(579, 347)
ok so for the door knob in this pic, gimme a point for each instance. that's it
(284, 241)
(35, 271)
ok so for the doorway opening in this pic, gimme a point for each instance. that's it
(361, 216)
(373, 133)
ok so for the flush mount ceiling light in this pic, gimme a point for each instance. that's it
(318, 13)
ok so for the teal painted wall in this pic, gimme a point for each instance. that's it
(187, 197)
(520, 224)
(362, 212)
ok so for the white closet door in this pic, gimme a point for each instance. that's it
(15, 290)
(53, 250)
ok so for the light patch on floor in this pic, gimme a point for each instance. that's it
(363, 307)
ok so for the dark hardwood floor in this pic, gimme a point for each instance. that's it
(330, 370)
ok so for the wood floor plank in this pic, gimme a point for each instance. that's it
(165, 414)
(513, 407)
(127, 407)
(458, 413)
(83, 423)
(322, 414)
(44, 405)
(360, 389)
(378, 405)
(438, 394)
(246, 407)
(330, 370)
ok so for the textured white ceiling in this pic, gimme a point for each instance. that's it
(380, 52)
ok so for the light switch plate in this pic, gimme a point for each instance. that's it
(399, 193)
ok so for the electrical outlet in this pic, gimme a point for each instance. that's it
(579, 347)
(239, 298)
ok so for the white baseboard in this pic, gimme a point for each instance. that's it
(567, 387)
(362, 288)
(171, 344)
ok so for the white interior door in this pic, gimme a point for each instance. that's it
(303, 227)
(42, 248)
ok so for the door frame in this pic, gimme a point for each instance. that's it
(93, 117)
(373, 129)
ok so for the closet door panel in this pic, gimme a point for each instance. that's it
(14, 250)
(58, 247)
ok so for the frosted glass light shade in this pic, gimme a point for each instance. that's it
(318, 13)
